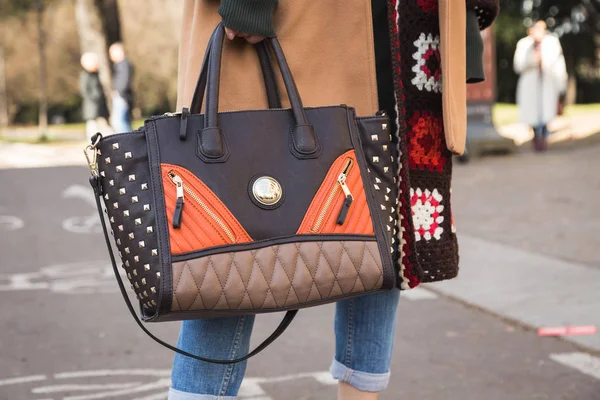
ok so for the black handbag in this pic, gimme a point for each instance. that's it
(248, 212)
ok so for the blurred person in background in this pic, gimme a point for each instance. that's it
(541, 65)
(94, 109)
(122, 95)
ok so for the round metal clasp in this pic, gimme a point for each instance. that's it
(266, 191)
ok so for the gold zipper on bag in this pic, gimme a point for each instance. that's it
(181, 188)
(341, 184)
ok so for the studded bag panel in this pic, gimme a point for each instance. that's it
(196, 217)
(128, 195)
(340, 206)
(275, 277)
(379, 151)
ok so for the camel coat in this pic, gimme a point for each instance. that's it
(330, 66)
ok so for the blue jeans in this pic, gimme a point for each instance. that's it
(364, 338)
(541, 131)
(119, 118)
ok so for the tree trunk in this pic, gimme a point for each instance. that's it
(111, 20)
(92, 38)
(3, 93)
(571, 95)
(43, 96)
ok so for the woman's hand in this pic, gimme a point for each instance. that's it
(253, 39)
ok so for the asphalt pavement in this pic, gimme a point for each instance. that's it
(66, 333)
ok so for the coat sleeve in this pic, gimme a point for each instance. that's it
(83, 84)
(560, 69)
(475, 72)
(523, 60)
(122, 77)
(249, 16)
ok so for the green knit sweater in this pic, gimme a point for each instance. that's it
(256, 17)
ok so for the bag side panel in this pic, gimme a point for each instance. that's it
(128, 194)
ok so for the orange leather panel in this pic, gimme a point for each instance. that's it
(358, 220)
(198, 230)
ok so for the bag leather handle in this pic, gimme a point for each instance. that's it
(273, 96)
(283, 325)
(211, 142)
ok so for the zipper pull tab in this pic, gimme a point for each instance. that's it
(344, 211)
(347, 202)
(178, 214)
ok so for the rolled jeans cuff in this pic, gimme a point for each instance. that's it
(177, 395)
(362, 381)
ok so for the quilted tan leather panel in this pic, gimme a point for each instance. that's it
(277, 276)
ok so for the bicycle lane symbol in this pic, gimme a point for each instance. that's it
(89, 277)
(89, 224)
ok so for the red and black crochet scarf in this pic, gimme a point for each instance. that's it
(429, 249)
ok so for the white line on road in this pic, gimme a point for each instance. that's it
(291, 377)
(325, 378)
(80, 192)
(157, 396)
(251, 388)
(582, 362)
(154, 390)
(160, 384)
(113, 372)
(83, 388)
(24, 379)
(418, 293)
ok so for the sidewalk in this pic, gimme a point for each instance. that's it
(65, 146)
(27, 155)
(563, 129)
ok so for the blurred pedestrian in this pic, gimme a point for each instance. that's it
(122, 95)
(541, 65)
(94, 110)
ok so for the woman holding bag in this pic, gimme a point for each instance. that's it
(372, 55)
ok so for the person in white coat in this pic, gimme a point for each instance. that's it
(541, 65)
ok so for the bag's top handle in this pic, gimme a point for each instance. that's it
(273, 96)
(211, 142)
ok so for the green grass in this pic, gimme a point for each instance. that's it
(506, 114)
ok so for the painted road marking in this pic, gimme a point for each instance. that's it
(9, 223)
(582, 362)
(80, 192)
(114, 372)
(154, 386)
(24, 379)
(90, 387)
(418, 293)
(160, 384)
(88, 224)
(157, 396)
(90, 277)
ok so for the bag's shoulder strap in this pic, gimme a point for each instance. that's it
(287, 319)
